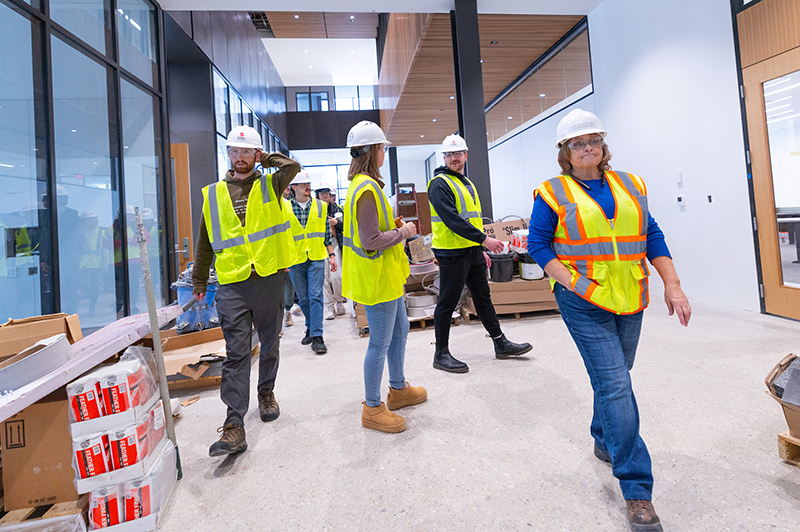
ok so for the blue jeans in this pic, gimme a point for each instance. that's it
(607, 342)
(307, 278)
(388, 330)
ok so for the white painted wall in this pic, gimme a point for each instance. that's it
(665, 87)
(411, 171)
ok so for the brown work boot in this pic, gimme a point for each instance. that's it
(407, 396)
(231, 441)
(268, 406)
(642, 516)
(381, 419)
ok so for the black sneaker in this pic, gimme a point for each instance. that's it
(307, 338)
(318, 345)
(268, 406)
(232, 441)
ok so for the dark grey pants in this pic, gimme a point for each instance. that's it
(259, 301)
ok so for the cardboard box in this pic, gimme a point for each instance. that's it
(792, 412)
(18, 335)
(505, 230)
(421, 250)
(37, 455)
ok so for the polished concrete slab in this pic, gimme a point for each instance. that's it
(507, 445)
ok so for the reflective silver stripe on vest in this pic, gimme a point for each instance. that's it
(309, 235)
(348, 241)
(633, 191)
(582, 285)
(435, 219)
(269, 231)
(582, 267)
(319, 207)
(463, 213)
(599, 248)
(643, 266)
(266, 190)
(571, 209)
(216, 229)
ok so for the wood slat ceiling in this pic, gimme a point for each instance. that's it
(323, 25)
(521, 40)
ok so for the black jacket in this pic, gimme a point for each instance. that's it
(441, 197)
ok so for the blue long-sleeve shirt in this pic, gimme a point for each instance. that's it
(544, 221)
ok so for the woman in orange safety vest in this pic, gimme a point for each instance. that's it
(592, 230)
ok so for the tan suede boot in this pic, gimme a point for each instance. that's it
(379, 418)
(409, 395)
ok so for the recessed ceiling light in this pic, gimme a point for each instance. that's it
(434, 120)
(297, 16)
(510, 117)
(126, 147)
(352, 17)
(452, 97)
(421, 136)
(493, 42)
(542, 95)
(74, 130)
(481, 60)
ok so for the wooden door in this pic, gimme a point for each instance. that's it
(772, 97)
(184, 243)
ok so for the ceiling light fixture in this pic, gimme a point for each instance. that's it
(74, 130)
(542, 95)
(422, 136)
(452, 97)
(510, 117)
(306, 51)
(434, 120)
(297, 16)
(493, 42)
(481, 60)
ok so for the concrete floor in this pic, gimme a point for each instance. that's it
(507, 445)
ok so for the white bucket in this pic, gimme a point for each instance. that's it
(530, 272)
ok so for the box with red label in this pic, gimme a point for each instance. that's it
(128, 391)
(129, 445)
(105, 507)
(85, 399)
(91, 456)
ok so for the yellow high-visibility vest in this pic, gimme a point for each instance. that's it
(371, 277)
(310, 240)
(607, 258)
(264, 242)
(469, 209)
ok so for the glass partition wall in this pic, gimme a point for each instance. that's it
(82, 144)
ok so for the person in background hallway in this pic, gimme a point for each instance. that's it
(592, 230)
(289, 297)
(91, 257)
(458, 243)
(246, 229)
(375, 270)
(334, 302)
(312, 236)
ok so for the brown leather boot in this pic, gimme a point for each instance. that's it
(642, 516)
(407, 396)
(381, 419)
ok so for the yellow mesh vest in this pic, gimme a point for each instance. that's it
(310, 241)
(468, 209)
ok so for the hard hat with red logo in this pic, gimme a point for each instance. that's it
(453, 143)
(244, 137)
(578, 122)
(301, 178)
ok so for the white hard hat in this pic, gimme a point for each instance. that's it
(61, 191)
(244, 137)
(88, 214)
(321, 185)
(301, 177)
(578, 122)
(453, 143)
(365, 133)
(147, 214)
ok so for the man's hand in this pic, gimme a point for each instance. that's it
(201, 296)
(677, 301)
(334, 267)
(488, 260)
(493, 245)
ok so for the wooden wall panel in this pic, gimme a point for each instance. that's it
(307, 26)
(767, 29)
(341, 26)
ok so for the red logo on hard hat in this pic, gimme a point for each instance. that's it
(241, 134)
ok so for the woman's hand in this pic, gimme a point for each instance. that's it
(412, 228)
(677, 301)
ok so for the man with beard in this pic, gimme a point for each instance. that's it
(458, 243)
(246, 230)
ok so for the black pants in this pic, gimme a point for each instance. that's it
(257, 300)
(454, 273)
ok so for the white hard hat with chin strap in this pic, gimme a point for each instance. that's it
(244, 137)
(362, 136)
(578, 122)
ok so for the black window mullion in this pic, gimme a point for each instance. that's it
(168, 237)
(118, 181)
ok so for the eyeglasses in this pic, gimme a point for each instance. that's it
(385, 148)
(455, 153)
(581, 144)
(236, 152)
